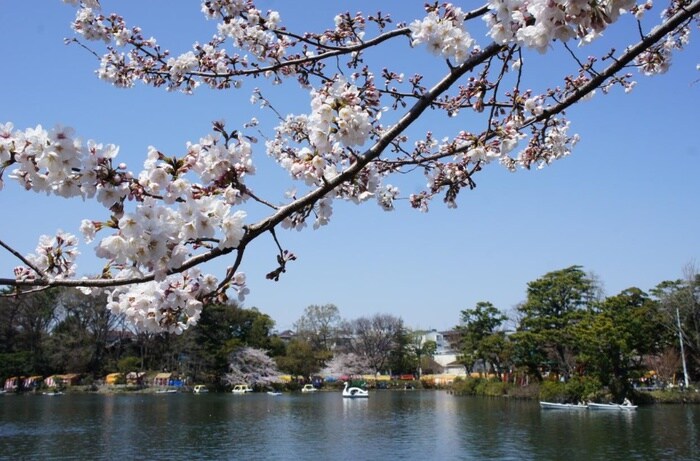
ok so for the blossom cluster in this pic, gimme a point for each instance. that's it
(90, 25)
(338, 115)
(249, 28)
(54, 256)
(316, 147)
(444, 35)
(251, 365)
(467, 153)
(157, 237)
(170, 305)
(55, 162)
(657, 59)
(171, 215)
(246, 26)
(535, 23)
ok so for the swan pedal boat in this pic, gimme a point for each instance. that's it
(354, 392)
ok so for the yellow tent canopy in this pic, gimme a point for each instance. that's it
(112, 378)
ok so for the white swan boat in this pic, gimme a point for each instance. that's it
(308, 388)
(354, 392)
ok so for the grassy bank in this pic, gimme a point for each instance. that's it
(572, 391)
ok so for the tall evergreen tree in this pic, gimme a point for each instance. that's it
(555, 303)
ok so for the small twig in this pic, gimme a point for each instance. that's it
(18, 292)
(23, 259)
(231, 271)
(68, 41)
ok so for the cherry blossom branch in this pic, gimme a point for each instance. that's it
(376, 150)
(178, 223)
(269, 223)
(302, 61)
(627, 57)
(632, 53)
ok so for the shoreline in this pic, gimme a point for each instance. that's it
(643, 398)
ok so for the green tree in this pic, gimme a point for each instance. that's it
(222, 329)
(423, 350)
(251, 327)
(128, 364)
(404, 358)
(18, 363)
(300, 359)
(480, 342)
(497, 350)
(614, 338)
(555, 303)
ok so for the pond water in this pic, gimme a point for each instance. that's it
(403, 425)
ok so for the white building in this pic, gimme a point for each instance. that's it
(444, 355)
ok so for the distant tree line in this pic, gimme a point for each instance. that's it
(566, 328)
(64, 331)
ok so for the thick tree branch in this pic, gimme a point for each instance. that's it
(312, 197)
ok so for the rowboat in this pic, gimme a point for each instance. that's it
(612, 406)
(166, 391)
(562, 406)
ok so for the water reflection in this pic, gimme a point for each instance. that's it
(407, 425)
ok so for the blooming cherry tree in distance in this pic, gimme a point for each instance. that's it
(359, 132)
(251, 366)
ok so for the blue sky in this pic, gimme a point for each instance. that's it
(623, 206)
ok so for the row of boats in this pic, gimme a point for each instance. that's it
(624, 406)
(348, 392)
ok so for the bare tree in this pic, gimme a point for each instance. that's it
(665, 364)
(24, 330)
(374, 338)
(679, 302)
(80, 335)
(319, 326)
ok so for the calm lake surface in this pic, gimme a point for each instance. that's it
(407, 425)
